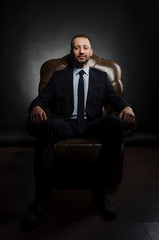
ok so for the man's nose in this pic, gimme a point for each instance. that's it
(81, 51)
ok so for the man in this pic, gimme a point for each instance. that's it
(76, 98)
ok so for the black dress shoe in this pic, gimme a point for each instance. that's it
(35, 213)
(106, 204)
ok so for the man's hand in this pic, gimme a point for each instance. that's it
(37, 115)
(127, 115)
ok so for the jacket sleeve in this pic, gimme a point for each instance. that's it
(113, 98)
(45, 97)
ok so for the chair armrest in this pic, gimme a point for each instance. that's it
(130, 129)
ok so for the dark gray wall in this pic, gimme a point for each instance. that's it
(33, 32)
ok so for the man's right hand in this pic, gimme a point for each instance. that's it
(37, 115)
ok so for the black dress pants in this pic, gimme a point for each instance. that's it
(109, 129)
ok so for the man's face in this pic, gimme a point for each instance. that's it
(81, 51)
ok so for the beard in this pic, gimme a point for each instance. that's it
(81, 62)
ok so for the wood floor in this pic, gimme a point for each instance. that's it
(73, 215)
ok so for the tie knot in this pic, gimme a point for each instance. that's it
(81, 73)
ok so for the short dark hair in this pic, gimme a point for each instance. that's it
(80, 36)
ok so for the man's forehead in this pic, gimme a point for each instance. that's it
(81, 41)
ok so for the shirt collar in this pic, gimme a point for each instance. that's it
(77, 70)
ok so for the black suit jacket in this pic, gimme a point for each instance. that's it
(58, 95)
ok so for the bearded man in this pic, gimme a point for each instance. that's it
(76, 98)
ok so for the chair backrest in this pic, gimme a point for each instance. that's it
(112, 68)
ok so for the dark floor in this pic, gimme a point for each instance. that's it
(73, 215)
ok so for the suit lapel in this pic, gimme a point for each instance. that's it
(92, 84)
(69, 84)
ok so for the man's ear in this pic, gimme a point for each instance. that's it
(91, 51)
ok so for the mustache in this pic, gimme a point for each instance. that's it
(81, 55)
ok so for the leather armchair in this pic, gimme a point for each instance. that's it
(75, 158)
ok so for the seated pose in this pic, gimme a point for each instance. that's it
(76, 97)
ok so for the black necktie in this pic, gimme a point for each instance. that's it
(80, 109)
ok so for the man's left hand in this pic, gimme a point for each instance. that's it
(127, 115)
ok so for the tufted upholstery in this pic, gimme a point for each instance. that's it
(75, 158)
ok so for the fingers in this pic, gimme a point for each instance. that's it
(35, 118)
(127, 115)
(37, 115)
(44, 117)
(128, 118)
(121, 115)
(38, 118)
